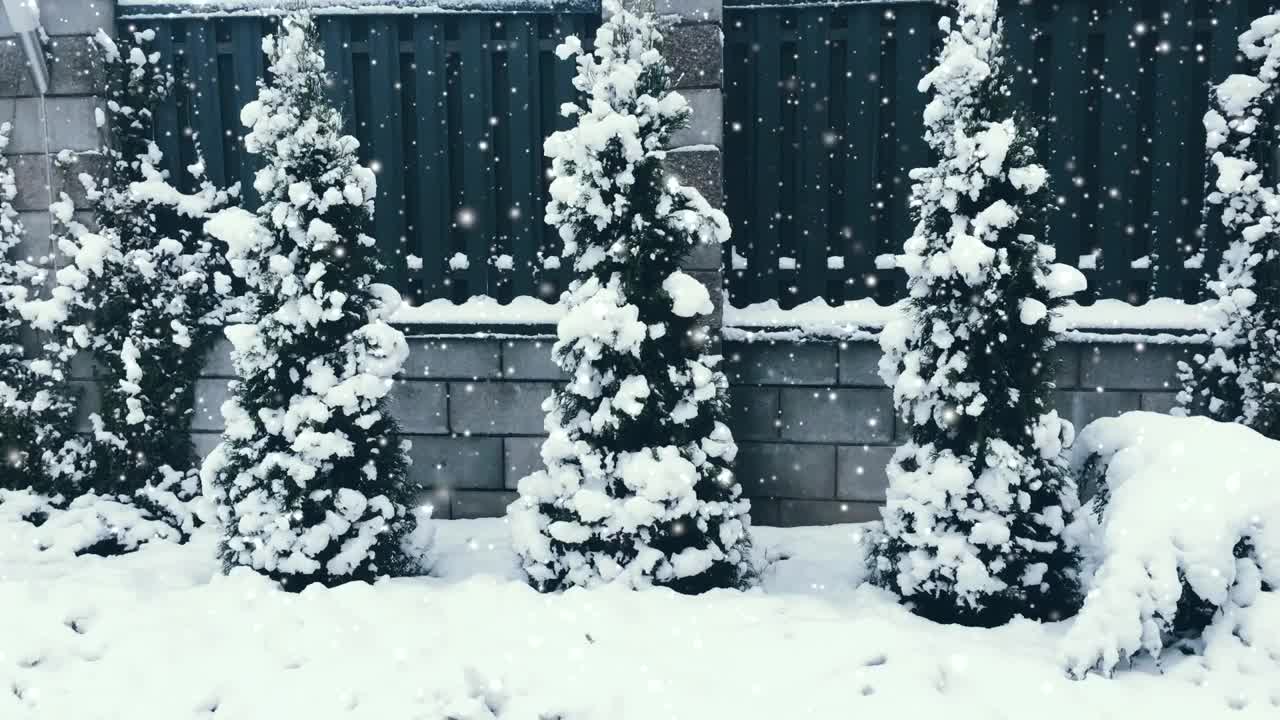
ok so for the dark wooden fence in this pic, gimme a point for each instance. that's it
(451, 109)
(823, 123)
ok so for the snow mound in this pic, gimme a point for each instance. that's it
(90, 525)
(1187, 529)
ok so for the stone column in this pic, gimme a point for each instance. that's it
(65, 119)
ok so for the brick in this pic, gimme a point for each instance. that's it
(765, 511)
(691, 10)
(217, 363)
(507, 408)
(1067, 370)
(754, 413)
(453, 359)
(705, 126)
(696, 54)
(72, 124)
(1130, 367)
(836, 415)
(1082, 407)
(457, 462)
(521, 457)
(204, 443)
(794, 471)
(801, 513)
(421, 408)
(859, 364)
(85, 395)
(530, 360)
(701, 169)
(439, 499)
(781, 363)
(1160, 402)
(860, 472)
(84, 366)
(480, 504)
(210, 394)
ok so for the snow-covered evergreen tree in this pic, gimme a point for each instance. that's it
(980, 494)
(310, 478)
(144, 298)
(638, 487)
(41, 451)
(1238, 379)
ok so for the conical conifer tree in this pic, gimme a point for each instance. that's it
(1238, 379)
(980, 494)
(310, 477)
(638, 488)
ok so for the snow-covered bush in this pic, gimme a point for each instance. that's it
(980, 494)
(638, 487)
(41, 451)
(310, 478)
(1238, 379)
(1187, 532)
(141, 290)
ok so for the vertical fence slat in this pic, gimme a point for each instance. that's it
(814, 68)
(737, 164)
(913, 33)
(167, 130)
(1169, 161)
(1068, 103)
(335, 33)
(1118, 116)
(247, 63)
(477, 160)
(388, 143)
(202, 70)
(525, 149)
(768, 122)
(432, 203)
(862, 143)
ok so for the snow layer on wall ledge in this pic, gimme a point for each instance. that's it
(145, 9)
(1159, 321)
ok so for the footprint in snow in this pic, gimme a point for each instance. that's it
(876, 660)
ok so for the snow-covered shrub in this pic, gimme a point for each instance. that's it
(92, 524)
(1238, 379)
(979, 496)
(638, 487)
(1189, 531)
(142, 290)
(310, 478)
(40, 449)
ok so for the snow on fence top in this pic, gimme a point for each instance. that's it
(144, 9)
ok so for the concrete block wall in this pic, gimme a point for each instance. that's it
(816, 427)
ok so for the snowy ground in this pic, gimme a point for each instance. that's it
(160, 634)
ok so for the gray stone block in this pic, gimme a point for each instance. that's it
(521, 457)
(780, 363)
(32, 174)
(701, 169)
(467, 504)
(691, 10)
(84, 366)
(1130, 366)
(802, 513)
(507, 408)
(705, 126)
(754, 413)
(836, 415)
(1067, 371)
(457, 462)
(35, 242)
(421, 408)
(765, 511)
(77, 17)
(217, 363)
(1160, 402)
(794, 471)
(75, 68)
(696, 54)
(204, 443)
(860, 364)
(714, 282)
(1082, 407)
(860, 472)
(705, 256)
(210, 394)
(72, 124)
(529, 360)
(453, 359)
(87, 400)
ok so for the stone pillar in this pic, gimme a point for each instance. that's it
(64, 119)
(695, 49)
